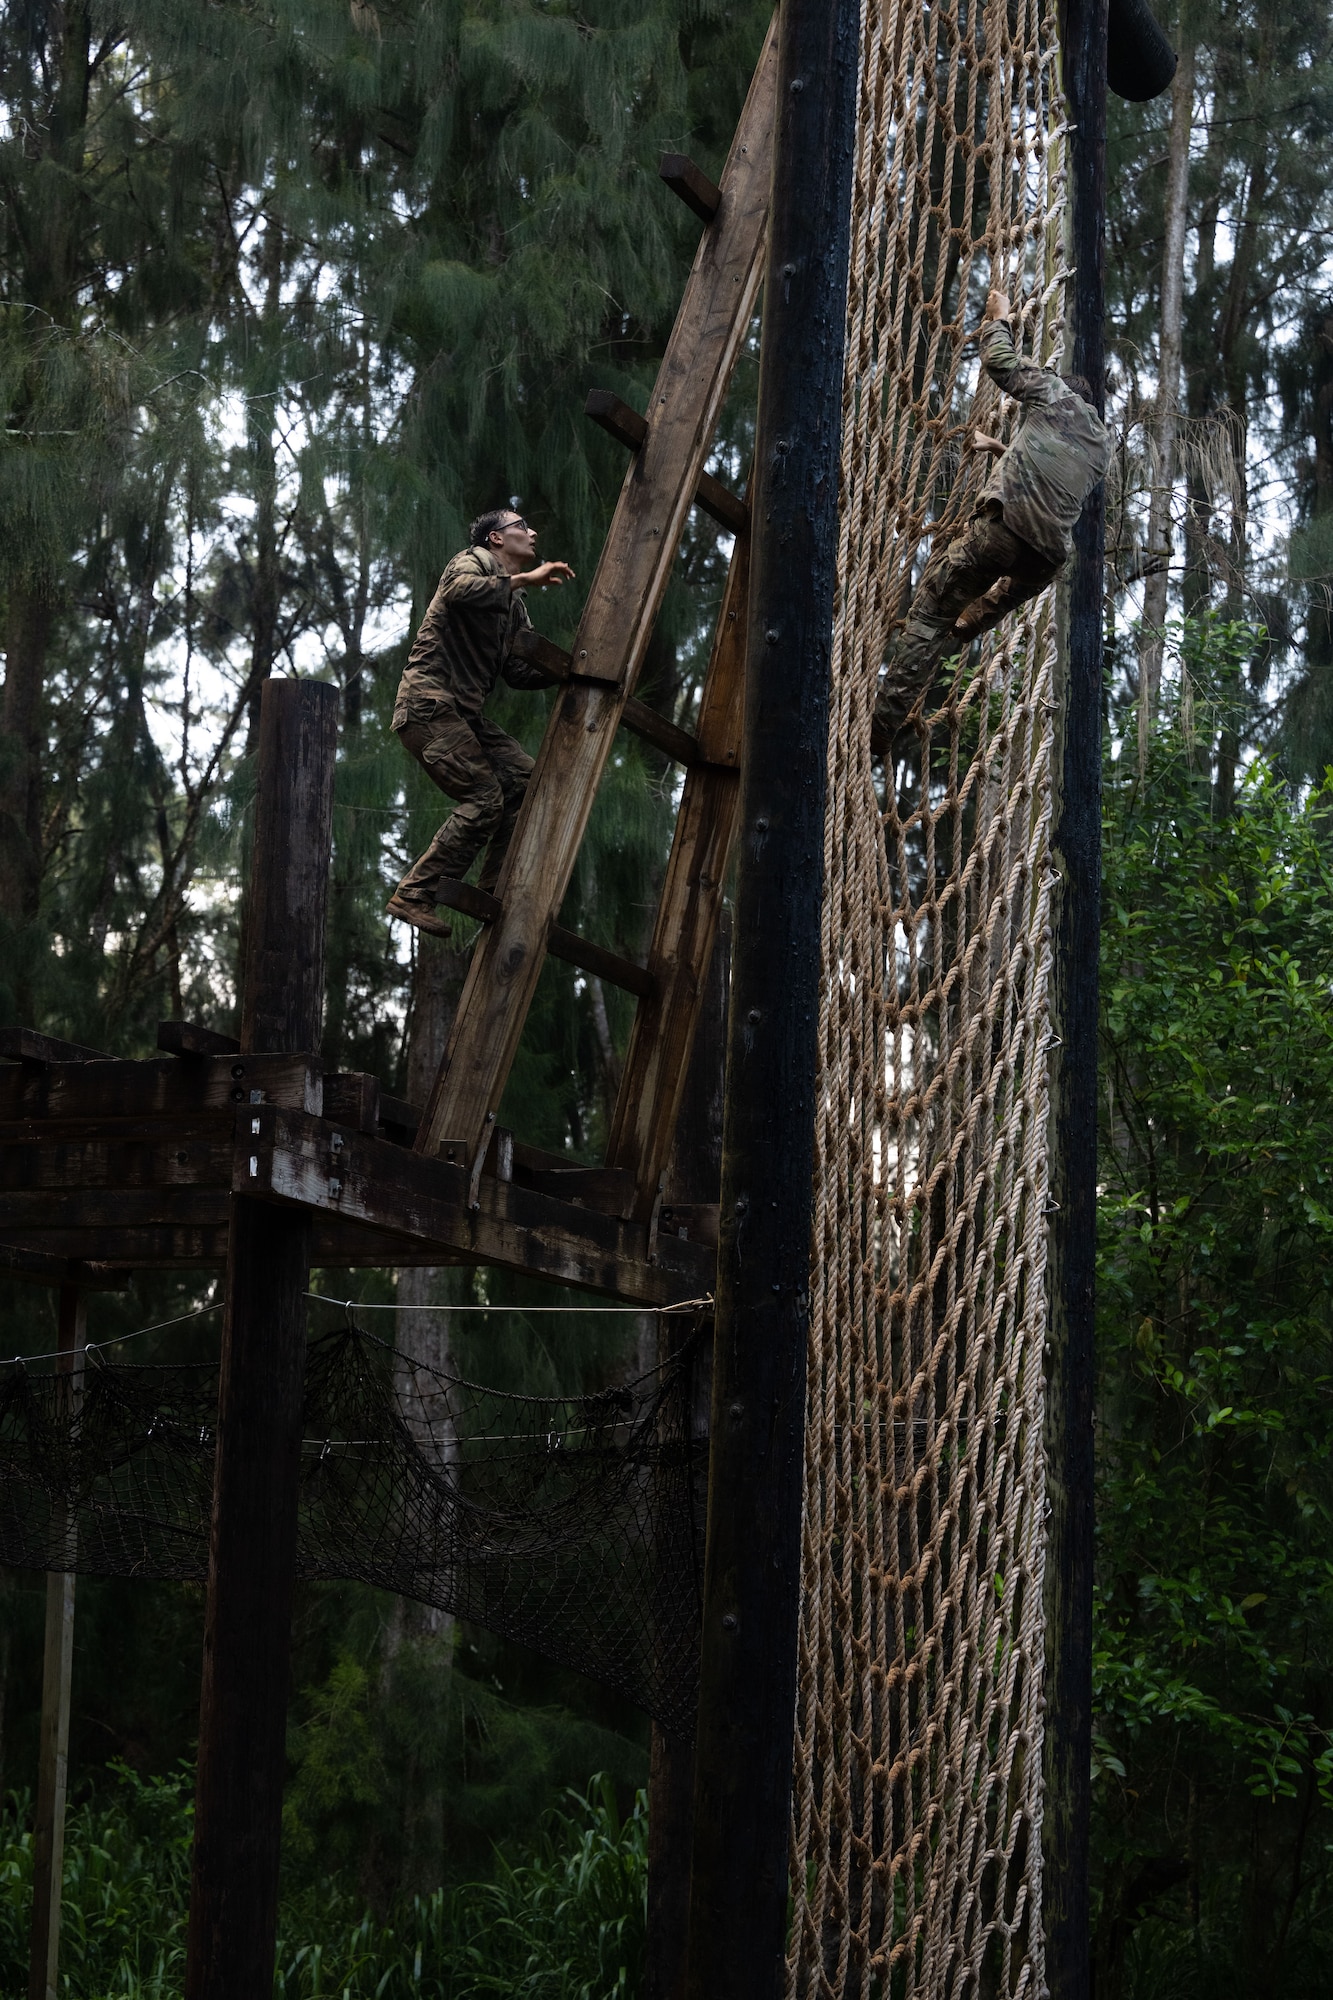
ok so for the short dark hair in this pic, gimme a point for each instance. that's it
(1081, 387)
(486, 525)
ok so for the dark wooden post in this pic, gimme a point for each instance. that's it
(694, 1175)
(48, 1861)
(1071, 1373)
(738, 1894)
(247, 1633)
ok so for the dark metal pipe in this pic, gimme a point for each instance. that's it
(752, 1583)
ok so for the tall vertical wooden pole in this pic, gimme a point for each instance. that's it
(48, 1861)
(252, 1555)
(1077, 843)
(752, 1583)
(694, 1175)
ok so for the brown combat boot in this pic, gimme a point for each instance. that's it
(409, 911)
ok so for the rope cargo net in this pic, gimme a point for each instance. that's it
(570, 1524)
(916, 1829)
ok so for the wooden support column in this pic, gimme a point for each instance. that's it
(1071, 1375)
(252, 1555)
(48, 1861)
(694, 1178)
(657, 1059)
(738, 1901)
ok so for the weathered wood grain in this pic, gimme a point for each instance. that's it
(658, 1055)
(87, 1092)
(295, 1159)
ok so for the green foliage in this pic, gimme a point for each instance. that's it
(564, 1921)
(1215, 1581)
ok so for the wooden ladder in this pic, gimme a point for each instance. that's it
(665, 478)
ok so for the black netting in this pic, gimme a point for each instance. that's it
(570, 1524)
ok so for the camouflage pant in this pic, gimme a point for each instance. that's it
(487, 772)
(958, 572)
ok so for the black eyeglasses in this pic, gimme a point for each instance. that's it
(517, 522)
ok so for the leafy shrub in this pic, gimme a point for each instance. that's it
(565, 1922)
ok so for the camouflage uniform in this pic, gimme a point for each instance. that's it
(1021, 528)
(465, 644)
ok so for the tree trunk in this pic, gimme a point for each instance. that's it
(421, 1634)
(1168, 399)
(28, 640)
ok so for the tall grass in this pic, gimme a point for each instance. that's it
(564, 1922)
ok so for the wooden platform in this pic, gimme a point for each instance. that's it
(109, 1166)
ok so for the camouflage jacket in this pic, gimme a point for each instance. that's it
(1061, 450)
(466, 642)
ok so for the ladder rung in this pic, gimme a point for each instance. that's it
(692, 184)
(187, 1038)
(25, 1045)
(603, 964)
(678, 744)
(627, 427)
(574, 950)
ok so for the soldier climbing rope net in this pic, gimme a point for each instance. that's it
(571, 1524)
(916, 1837)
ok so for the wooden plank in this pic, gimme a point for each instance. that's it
(150, 1156)
(252, 1546)
(25, 1045)
(739, 1877)
(658, 1055)
(112, 1255)
(48, 1840)
(293, 1159)
(187, 1038)
(137, 1246)
(43, 1267)
(691, 183)
(613, 633)
(354, 1098)
(29, 1214)
(85, 1092)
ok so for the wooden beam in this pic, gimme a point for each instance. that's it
(187, 1038)
(114, 1165)
(48, 1841)
(25, 1045)
(295, 1159)
(637, 717)
(627, 427)
(42, 1267)
(692, 184)
(613, 634)
(252, 1545)
(114, 1253)
(81, 1093)
(739, 1889)
(657, 1059)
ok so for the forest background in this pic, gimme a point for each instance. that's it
(288, 291)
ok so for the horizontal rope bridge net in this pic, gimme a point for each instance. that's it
(569, 1524)
(916, 1838)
